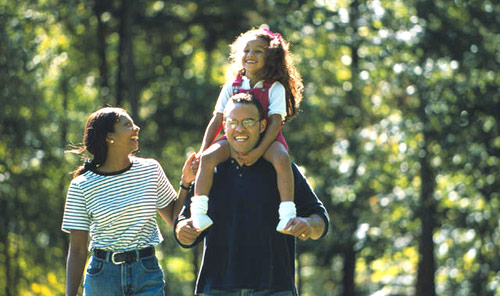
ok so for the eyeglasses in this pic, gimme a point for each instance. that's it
(246, 123)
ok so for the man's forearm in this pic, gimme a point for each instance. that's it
(317, 225)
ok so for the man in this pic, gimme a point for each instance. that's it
(244, 255)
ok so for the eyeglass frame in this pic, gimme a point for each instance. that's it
(230, 122)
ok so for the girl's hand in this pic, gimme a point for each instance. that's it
(250, 158)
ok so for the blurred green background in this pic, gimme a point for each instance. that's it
(399, 134)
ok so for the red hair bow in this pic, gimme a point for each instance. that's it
(273, 35)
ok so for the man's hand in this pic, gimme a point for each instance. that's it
(305, 228)
(186, 232)
(250, 158)
(299, 227)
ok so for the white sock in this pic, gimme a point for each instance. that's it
(199, 208)
(287, 210)
(199, 205)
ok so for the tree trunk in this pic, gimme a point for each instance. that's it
(63, 82)
(16, 278)
(348, 271)
(354, 98)
(64, 141)
(99, 9)
(126, 82)
(4, 238)
(425, 275)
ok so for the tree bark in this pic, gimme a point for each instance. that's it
(349, 260)
(426, 265)
(126, 82)
(64, 123)
(348, 271)
(99, 9)
(4, 238)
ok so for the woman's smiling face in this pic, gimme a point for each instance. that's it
(125, 134)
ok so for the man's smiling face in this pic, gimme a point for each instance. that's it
(242, 126)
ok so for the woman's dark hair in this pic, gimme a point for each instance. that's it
(98, 125)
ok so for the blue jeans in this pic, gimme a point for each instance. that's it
(247, 292)
(142, 277)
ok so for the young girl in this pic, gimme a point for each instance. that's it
(261, 64)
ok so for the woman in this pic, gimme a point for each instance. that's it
(114, 198)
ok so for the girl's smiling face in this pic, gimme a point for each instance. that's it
(254, 57)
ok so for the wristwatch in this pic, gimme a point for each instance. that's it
(184, 186)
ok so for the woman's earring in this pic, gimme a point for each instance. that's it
(111, 141)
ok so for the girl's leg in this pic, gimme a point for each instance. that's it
(210, 158)
(278, 156)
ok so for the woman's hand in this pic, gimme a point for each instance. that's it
(189, 169)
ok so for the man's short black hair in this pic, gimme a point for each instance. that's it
(248, 98)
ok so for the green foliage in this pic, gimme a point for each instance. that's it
(400, 97)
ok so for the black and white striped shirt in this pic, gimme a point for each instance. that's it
(119, 209)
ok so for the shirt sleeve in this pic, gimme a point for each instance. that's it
(224, 95)
(75, 211)
(165, 191)
(277, 100)
(306, 201)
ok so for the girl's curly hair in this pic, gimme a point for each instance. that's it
(279, 65)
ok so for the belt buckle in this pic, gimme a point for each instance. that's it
(113, 258)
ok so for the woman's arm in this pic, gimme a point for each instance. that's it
(77, 257)
(170, 212)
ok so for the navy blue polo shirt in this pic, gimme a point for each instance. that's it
(242, 248)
